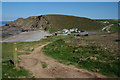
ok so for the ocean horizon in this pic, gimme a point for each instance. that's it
(3, 23)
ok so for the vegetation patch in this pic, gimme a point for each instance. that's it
(59, 22)
(44, 64)
(8, 48)
(9, 71)
(89, 57)
(68, 49)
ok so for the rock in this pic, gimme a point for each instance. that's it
(105, 48)
(97, 70)
(24, 25)
(9, 77)
(81, 59)
(104, 35)
(5, 74)
(75, 50)
(11, 62)
(93, 58)
(31, 49)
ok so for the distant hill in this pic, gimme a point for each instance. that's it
(50, 23)
(115, 22)
(58, 22)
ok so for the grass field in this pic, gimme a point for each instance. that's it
(93, 53)
(59, 22)
(115, 27)
(9, 71)
(8, 48)
(87, 54)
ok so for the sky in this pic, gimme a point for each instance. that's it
(94, 10)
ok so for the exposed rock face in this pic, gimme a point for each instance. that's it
(22, 25)
(50, 23)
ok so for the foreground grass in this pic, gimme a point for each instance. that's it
(8, 48)
(81, 53)
(10, 72)
(8, 69)
(84, 55)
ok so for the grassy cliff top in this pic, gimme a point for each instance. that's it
(57, 22)
(64, 21)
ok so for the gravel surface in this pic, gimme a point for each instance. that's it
(27, 36)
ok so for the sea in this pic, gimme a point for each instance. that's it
(2, 23)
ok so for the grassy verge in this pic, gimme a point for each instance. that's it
(84, 55)
(8, 48)
(81, 53)
(10, 72)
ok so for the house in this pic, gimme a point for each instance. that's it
(65, 31)
(106, 22)
(74, 30)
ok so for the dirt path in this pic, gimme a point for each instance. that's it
(53, 69)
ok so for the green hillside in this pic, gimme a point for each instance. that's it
(51, 23)
(58, 22)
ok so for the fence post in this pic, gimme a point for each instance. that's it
(15, 56)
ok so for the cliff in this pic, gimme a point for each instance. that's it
(50, 23)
